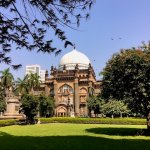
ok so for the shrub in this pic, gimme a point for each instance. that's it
(8, 122)
(128, 121)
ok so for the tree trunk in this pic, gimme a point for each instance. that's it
(6, 92)
(148, 122)
(120, 115)
(90, 113)
(30, 120)
(38, 114)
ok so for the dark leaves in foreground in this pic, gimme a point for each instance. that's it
(32, 33)
(68, 43)
(15, 67)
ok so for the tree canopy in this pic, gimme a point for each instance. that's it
(22, 86)
(114, 107)
(29, 21)
(2, 99)
(127, 77)
(29, 106)
(46, 105)
(6, 80)
(93, 103)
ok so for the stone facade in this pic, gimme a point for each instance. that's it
(71, 89)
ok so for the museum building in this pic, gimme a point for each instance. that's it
(71, 84)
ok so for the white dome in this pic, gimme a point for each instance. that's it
(72, 58)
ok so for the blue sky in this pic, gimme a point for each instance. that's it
(110, 19)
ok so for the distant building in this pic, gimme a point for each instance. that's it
(42, 75)
(33, 69)
(36, 69)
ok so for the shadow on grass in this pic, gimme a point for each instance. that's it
(10, 142)
(115, 131)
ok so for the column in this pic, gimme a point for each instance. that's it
(90, 89)
(86, 110)
(47, 91)
(76, 97)
(55, 94)
(55, 90)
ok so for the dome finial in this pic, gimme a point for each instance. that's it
(74, 46)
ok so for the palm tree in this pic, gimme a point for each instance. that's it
(6, 80)
(2, 100)
(22, 85)
(33, 82)
(27, 85)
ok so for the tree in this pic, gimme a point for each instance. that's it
(46, 105)
(2, 105)
(33, 81)
(22, 85)
(2, 99)
(93, 104)
(27, 84)
(28, 30)
(29, 106)
(6, 80)
(114, 107)
(127, 77)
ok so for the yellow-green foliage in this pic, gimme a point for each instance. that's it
(8, 122)
(129, 121)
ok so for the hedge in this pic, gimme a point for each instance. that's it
(126, 121)
(8, 122)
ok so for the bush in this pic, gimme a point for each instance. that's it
(8, 122)
(127, 121)
(123, 121)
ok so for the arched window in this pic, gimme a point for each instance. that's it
(66, 89)
(83, 90)
(83, 98)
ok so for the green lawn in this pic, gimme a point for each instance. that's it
(73, 137)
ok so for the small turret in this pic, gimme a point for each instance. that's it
(52, 68)
(64, 68)
(46, 74)
(76, 70)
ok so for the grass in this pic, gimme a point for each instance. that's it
(57, 136)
